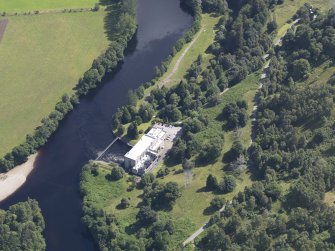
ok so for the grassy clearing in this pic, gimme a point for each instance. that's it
(43, 58)
(108, 194)
(285, 11)
(32, 5)
(321, 74)
(205, 39)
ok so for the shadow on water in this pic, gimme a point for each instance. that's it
(86, 131)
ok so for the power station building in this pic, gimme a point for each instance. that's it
(140, 157)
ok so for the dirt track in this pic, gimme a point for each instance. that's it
(181, 57)
(3, 25)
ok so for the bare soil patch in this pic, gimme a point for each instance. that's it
(330, 198)
(3, 25)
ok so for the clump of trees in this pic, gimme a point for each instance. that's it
(227, 184)
(22, 226)
(117, 173)
(235, 115)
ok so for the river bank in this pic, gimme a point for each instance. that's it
(11, 181)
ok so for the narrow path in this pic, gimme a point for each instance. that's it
(224, 91)
(200, 230)
(181, 57)
(278, 42)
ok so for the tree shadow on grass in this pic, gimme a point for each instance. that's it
(203, 190)
(209, 211)
(133, 228)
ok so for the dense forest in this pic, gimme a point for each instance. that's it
(294, 145)
(21, 227)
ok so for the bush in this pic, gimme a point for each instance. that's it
(117, 173)
(218, 203)
(211, 182)
(124, 203)
(228, 184)
(132, 131)
(146, 180)
(96, 7)
(146, 216)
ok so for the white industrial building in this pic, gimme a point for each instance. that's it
(145, 151)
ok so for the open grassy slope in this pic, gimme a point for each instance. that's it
(202, 42)
(42, 57)
(31, 5)
(285, 11)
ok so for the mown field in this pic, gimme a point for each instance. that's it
(32, 5)
(42, 58)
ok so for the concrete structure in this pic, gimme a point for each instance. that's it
(150, 149)
(141, 155)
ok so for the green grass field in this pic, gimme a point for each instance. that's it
(42, 58)
(285, 11)
(32, 5)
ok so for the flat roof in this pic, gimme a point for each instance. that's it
(140, 147)
(156, 133)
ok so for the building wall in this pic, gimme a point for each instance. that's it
(129, 163)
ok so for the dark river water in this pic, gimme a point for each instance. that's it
(86, 131)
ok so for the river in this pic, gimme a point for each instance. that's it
(86, 130)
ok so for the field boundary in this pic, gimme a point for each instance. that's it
(3, 25)
(51, 11)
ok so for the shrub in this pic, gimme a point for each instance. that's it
(117, 173)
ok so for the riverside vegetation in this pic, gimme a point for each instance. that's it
(122, 26)
(21, 227)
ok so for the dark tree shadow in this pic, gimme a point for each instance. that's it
(179, 171)
(203, 190)
(209, 211)
(133, 228)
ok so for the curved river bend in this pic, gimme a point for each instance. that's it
(86, 130)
